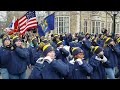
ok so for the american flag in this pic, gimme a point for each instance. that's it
(27, 21)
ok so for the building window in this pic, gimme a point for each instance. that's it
(102, 25)
(109, 28)
(62, 24)
(95, 27)
(85, 26)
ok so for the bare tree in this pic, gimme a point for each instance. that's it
(110, 14)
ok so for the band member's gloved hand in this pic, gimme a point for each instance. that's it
(104, 59)
(98, 58)
(79, 61)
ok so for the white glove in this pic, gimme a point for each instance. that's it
(48, 59)
(59, 48)
(97, 58)
(104, 59)
(67, 48)
(76, 40)
(84, 39)
(79, 61)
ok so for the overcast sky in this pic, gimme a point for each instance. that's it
(38, 13)
(2, 15)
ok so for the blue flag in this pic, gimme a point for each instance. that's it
(40, 31)
(48, 23)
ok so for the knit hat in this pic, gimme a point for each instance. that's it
(100, 35)
(45, 41)
(34, 39)
(41, 45)
(5, 37)
(108, 40)
(104, 37)
(15, 39)
(47, 49)
(118, 40)
(59, 43)
(97, 49)
(76, 50)
(87, 34)
(104, 31)
(92, 38)
(56, 35)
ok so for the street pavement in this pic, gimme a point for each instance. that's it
(28, 71)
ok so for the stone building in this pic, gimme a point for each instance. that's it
(84, 21)
(76, 21)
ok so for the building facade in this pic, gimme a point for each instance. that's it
(84, 21)
(75, 21)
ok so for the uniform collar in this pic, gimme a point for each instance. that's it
(40, 60)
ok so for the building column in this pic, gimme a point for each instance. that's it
(78, 22)
(106, 21)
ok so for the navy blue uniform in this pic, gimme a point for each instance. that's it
(77, 71)
(55, 70)
(111, 55)
(18, 61)
(5, 56)
(33, 54)
(98, 68)
(62, 54)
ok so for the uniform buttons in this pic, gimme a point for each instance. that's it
(76, 69)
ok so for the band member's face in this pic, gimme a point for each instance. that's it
(51, 54)
(18, 43)
(6, 42)
(61, 46)
(80, 55)
(101, 36)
